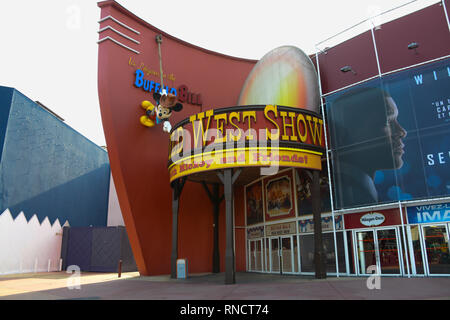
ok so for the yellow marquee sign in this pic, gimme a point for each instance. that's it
(248, 157)
(192, 151)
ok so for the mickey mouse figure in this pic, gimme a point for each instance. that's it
(166, 103)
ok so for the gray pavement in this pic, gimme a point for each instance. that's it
(249, 286)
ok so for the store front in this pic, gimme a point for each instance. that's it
(429, 239)
(380, 248)
(282, 242)
(359, 244)
(247, 155)
(376, 243)
(255, 251)
(293, 253)
(306, 241)
(281, 249)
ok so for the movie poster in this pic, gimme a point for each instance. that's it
(390, 137)
(279, 196)
(303, 181)
(254, 203)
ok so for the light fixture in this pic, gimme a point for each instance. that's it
(413, 45)
(347, 69)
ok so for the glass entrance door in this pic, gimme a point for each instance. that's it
(266, 254)
(258, 255)
(275, 255)
(255, 255)
(388, 251)
(251, 255)
(365, 243)
(378, 249)
(436, 246)
(286, 255)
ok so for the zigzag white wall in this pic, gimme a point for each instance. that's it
(28, 246)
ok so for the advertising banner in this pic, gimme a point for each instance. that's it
(379, 218)
(279, 196)
(390, 137)
(254, 203)
(280, 229)
(255, 232)
(429, 213)
(303, 180)
(307, 225)
(246, 136)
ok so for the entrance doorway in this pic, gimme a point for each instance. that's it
(282, 254)
(255, 253)
(436, 244)
(378, 250)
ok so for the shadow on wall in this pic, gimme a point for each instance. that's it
(49, 169)
(82, 201)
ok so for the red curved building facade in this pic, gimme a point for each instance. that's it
(139, 159)
(207, 80)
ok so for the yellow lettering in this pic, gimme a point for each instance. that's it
(284, 114)
(301, 118)
(221, 138)
(274, 109)
(317, 132)
(197, 125)
(235, 115)
(249, 115)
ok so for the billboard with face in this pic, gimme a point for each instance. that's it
(390, 137)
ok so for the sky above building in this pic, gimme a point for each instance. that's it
(49, 48)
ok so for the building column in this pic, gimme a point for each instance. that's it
(319, 252)
(228, 179)
(215, 200)
(177, 187)
(216, 252)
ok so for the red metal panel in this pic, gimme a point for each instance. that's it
(447, 4)
(358, 53)
(427, 27)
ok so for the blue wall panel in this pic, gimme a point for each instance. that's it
(49, 169)
(5, 105)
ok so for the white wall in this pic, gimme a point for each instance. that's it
(23, 243)
(27, 246)
(114, 213)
